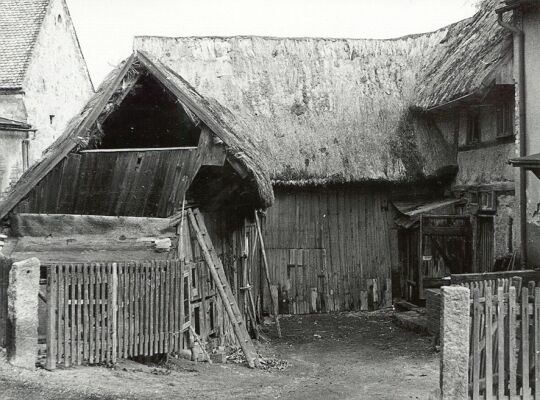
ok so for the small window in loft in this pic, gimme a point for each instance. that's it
(473, 128)
(505, 120)
(59, 19)
(51, 119)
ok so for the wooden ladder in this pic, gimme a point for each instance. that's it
(224, 289)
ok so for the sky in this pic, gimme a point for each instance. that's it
(106, 27)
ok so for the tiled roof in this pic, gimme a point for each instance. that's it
(20, 21)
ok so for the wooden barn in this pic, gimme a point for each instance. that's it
(111, 212)
(331, 120)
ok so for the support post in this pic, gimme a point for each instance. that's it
(52, 342)
(23, 291)
(455, 321)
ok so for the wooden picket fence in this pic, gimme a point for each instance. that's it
(98, 312)
(504, 340)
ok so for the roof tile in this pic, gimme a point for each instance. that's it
(20, 21)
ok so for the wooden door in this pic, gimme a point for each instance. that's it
(302, 279)
(485, 243)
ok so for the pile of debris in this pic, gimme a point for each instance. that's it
(236, 356)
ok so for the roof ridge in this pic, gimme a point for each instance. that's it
(306, 38)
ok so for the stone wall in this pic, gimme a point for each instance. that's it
(433, 310)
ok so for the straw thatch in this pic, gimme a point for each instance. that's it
(467, 60)
(320, 110)
(81, 131)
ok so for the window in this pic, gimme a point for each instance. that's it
(505, 120)
(473, 128)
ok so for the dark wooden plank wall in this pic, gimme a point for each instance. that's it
(129, 183)
(5, 267)
(227, 231)
(335, 240)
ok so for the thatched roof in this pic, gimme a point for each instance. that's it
(82, 126)
(320, 110)
(467, 61)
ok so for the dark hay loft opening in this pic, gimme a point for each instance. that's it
(149, 117)
(220, 188)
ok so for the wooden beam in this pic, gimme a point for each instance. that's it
(239, 168)
(275, 307)
(138, 150)
(526, 275)
(212, 153)
(446, 230)
(115, 102)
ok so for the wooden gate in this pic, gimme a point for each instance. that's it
(505, 340)
(98, 312)
(444, 248)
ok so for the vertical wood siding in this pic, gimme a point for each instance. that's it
(331, 249)
(133, 183)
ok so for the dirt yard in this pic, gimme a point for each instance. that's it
(337, 356)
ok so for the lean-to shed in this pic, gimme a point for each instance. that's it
(115, 186)
(331, 120)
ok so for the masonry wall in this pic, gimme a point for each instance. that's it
(531, 27)
(11, 159)
(57, 82)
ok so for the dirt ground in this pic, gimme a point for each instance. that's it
(337, 356)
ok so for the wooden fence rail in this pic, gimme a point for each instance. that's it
(98, 312)
(504, 340)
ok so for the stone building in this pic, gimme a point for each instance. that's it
(44, 80)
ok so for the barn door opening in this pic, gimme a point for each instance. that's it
(435, 247)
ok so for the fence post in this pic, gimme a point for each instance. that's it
(113, 287)
(22, 326)
(455, 324)
(51, 340)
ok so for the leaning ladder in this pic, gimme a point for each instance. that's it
(218, 274)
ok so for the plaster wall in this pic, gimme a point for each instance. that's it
(11, 160)
(531, 28)
(12, 107)
(57, 83)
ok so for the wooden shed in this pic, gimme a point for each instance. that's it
(118, 188)
(331, 119)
